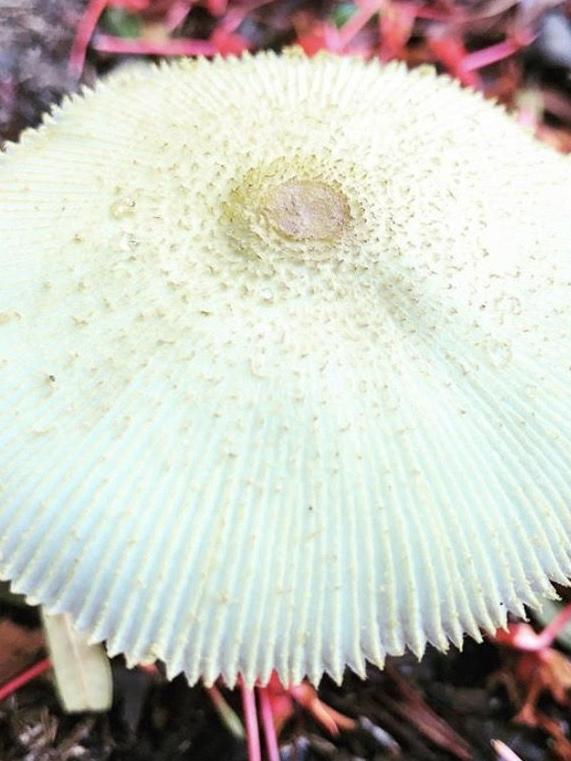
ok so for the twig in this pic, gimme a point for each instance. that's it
(268, 725)
(176, 14)
(494, 53)
(107, 43)
(251, 721)
(83, 35)
(26, 676)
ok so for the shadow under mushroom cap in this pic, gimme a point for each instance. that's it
(285, 365)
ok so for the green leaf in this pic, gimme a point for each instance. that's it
(342, 13)
(121, 23)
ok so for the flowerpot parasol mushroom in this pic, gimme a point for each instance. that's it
(285, 365)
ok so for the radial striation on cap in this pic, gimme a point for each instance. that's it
(285, 365)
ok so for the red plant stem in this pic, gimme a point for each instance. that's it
(451, 52)
(431, 14)
(492, 54)
(106, 43)
(251, 723)
(328, 717)
(217, 7)
(235, 16)
(26, 676)
(350, 29)
(177, 13)
(268, 724)
(545, 639)
(83, 34)
(395, 27)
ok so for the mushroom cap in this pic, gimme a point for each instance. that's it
(285, 365)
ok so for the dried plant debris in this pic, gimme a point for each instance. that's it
(35, 42)
(516, 51)
(446, 708)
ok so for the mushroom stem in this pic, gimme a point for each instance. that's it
(251, 722)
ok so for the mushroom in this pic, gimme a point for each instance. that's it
(285, 365)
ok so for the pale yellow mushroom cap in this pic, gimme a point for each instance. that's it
(285, 365)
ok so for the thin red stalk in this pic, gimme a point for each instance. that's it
(395, 24)
(251, 723)
(328, 717)
(488, 10)
(26, 676)
(235, 16)
(430, 14)
(491, 54)
(217, 7)
(545, 639)
(349, 30)
(83, 34)
(268, 724)
(176, 14)
(106, 43)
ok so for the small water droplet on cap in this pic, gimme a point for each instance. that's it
(122, 208)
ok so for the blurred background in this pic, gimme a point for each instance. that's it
(517, 52)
